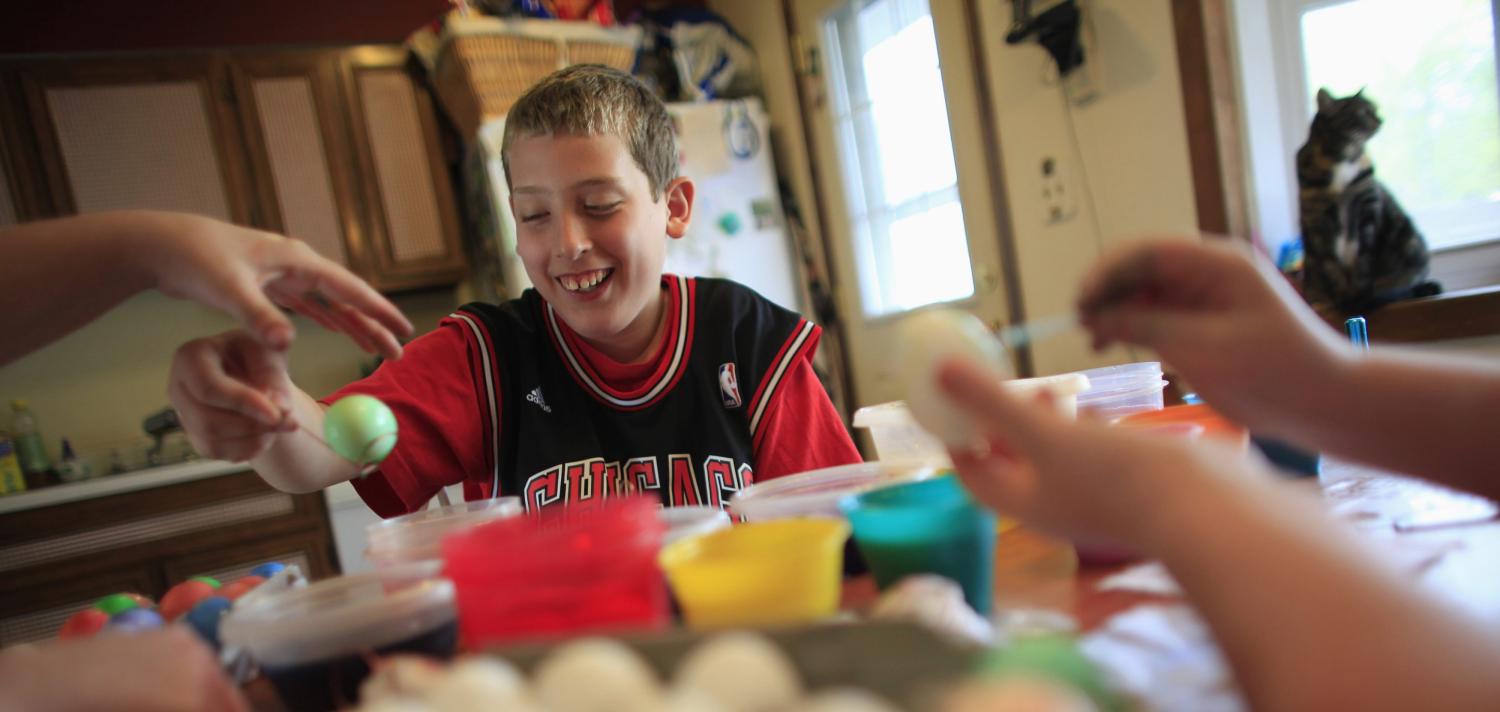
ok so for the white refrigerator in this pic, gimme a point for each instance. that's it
(738, 229)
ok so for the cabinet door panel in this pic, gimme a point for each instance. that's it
(144, 133)
(410, 210)
(299, 152)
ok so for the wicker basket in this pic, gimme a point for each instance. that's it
(479, 77)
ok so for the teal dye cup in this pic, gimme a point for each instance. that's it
(927, 527)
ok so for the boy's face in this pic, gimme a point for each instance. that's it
(592, 238)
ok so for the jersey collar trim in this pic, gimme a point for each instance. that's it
(676, 354)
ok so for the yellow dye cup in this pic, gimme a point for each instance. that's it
(777, 572)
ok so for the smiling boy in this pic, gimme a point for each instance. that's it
(608, 376)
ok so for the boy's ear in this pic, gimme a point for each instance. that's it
(679, 206)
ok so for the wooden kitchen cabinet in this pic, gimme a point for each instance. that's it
(337, 147)
(58, 559)
(409, 203)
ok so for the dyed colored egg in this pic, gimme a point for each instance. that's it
(204, 618)
(182, 597)
(115, 603)
(136, 619)
(235, 589)
(360, 429)
(83, 624)
(141, 601)
(208, 580)
(268, 569)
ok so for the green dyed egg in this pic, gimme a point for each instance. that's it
(207, 579)
(115, 603)
(360, 428)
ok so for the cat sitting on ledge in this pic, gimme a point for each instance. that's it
(1361, 250)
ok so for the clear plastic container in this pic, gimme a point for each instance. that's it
(1117, 391)
(817, 493)
(683, 522)
(313, 643)
(418, 536)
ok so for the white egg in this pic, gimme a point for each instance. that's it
(743, 671)
(844, 700)
(930, 338)
(401, 677)
(476, 683)
(937, 603)
(595, 674)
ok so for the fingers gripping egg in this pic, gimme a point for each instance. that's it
(929, 339)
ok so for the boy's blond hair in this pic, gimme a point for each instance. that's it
(594, 100)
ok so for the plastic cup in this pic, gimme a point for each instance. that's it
(562, 571)
(929, 527)
(766, 573)
(418, 536)
(314, 643)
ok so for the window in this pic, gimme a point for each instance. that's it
(891, 120)
(1431, 71)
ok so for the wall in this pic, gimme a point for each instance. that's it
(1126, 151)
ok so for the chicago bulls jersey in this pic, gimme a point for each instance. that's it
(559, 433)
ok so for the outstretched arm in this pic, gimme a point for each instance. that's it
(1240, 335)
(80, 267)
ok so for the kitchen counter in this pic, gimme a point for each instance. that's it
(117, 484)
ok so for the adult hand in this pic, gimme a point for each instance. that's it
(158, 671)
(247, 272)
(1228, 323)
(232, 394)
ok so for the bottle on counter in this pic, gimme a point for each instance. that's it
(71, 468)
(12, 481)
(30, 448)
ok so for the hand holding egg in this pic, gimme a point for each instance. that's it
(929, 338)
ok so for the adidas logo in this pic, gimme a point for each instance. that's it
(535, 396)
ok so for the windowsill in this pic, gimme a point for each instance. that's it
(1463, 314)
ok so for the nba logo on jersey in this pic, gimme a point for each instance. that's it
(729, 385)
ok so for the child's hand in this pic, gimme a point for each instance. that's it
(232, 394)
(244, 271)
(1080, 479)
(1229, 324)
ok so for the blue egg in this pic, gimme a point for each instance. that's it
(135, 619)
(268, 569)
(204, 618)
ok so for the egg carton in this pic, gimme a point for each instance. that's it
(904, 663)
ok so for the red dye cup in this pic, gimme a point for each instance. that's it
(562, 571)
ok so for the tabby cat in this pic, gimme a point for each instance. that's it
(1360, 248)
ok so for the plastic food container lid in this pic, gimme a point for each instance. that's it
(817, 493)
(425, 529)
(683, 522)
(1121, 392)
(342, 615)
